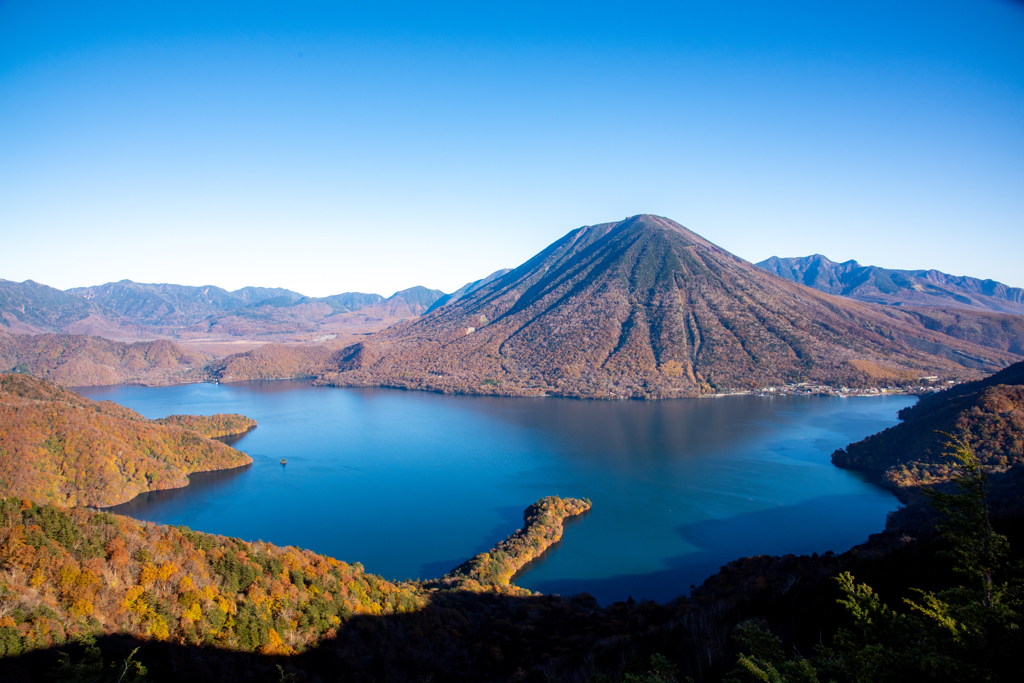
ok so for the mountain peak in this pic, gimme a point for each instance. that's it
(644, 307)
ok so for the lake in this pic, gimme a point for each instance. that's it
(411, 484)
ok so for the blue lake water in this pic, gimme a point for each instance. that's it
(411, 484)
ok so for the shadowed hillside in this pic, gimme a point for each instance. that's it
(646, 308)
(988, 414)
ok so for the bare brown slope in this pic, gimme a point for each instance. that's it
(80, 360)
(57, 447)
(646, 308)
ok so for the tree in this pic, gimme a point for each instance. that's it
(969, 632)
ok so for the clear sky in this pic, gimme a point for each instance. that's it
(330, 147)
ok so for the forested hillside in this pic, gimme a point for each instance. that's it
(274, 361)
(987, 414)
(212, 426)
(81, 360)
(57, 447)
(73, 573)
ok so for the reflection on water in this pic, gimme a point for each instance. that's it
(232, 439)
(198, 483)
(412, 484)
(551, 550)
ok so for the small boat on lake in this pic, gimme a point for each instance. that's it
(283, 461)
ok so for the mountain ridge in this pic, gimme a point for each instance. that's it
(897, 287)
(133, 311)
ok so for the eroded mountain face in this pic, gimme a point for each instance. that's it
(646, 308)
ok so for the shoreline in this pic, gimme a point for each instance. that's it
(766, 392)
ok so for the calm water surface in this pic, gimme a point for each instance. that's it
(411, 484)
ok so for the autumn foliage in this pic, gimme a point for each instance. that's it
(987, 414)
(80, 360)
(212, 426)
(58, 447)
(494, 570)
(70, 573)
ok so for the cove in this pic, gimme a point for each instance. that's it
(411, 484)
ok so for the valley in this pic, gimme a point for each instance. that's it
(636, 500)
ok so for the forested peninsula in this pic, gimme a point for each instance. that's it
(988, 414)
(58, 447)
(495, 569)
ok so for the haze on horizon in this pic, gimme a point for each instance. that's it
(328, 149)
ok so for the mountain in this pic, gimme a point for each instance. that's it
(57, 447)
(988, 414)
(407, 303)
(351, 301)
(897, 287)
(175, 305)
(81, 360)
(466, 289)
(131, 311)
(342, 313)
(31, 308)
(646, 308)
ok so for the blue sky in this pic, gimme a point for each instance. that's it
(329, 147)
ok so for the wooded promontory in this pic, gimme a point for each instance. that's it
(58, 447)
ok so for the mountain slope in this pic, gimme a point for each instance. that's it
(175, 305)
(646, 308)
(988, 414)
(29, 307)
(57, 447)
(80, 360)
(467, 289)
(900, 287)
(127, 310)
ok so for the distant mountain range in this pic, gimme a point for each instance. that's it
(637, 308)
(646, 308)
(897, 287)
(133, 310)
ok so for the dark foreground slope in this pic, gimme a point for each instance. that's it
(988, 414)
(93, 587)
(646, 308)
(57, 447)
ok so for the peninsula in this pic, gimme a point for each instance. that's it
(60, 448)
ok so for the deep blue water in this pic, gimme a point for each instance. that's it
(411, 484)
